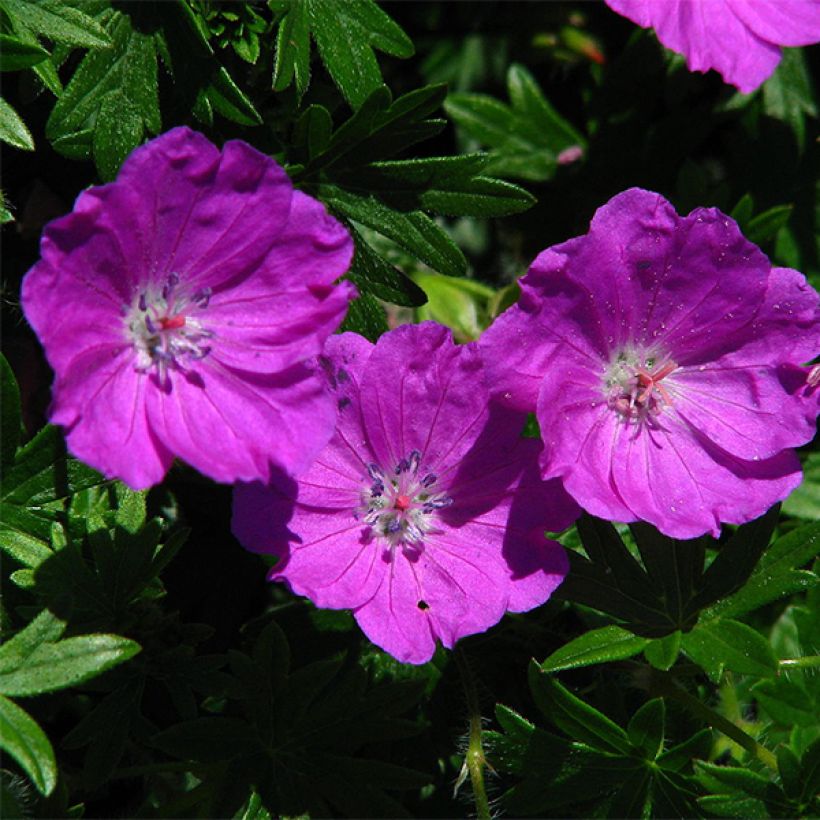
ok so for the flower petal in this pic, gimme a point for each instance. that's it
(100, 401)
(234, 426)
(422, 392)
(710, 34)
(782, 22)
(392, 618)
(213, 215)
(684, 484)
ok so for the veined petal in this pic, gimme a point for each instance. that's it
(101, 402)
(686, 485)
(233, 425)
(421, 392)
(782, 22)
(215, 214)
(392, 618)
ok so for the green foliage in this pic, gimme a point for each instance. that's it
(526, 137)
(345, 39)
(291, 736)
(621, 772)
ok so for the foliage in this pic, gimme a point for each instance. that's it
(147, 669)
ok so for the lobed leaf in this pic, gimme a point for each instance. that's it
(58, 21)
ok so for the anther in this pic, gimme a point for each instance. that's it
(429, 480)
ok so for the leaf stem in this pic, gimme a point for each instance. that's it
(474, 759)
(666, 685)
(800, 663)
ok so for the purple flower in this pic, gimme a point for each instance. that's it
(178, 307)
(425, 514)
(741, 39)
(661, 355)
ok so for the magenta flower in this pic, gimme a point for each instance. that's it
(178, 307)
(741, 39)
(661, 355)
(425, 514)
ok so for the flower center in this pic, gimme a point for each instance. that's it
(164, 327)
(399, 505)
(633, 385)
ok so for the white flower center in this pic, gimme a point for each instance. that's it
(164, 327)
(398, 505)
(634, 385)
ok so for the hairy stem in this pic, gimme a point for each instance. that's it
(474, 759)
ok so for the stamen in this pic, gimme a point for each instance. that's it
(399, 507)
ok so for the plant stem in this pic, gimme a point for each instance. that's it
(474, 759)
(800, 663)
(668, 686)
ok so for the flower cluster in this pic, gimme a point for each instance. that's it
(187, 310)
(741, 39)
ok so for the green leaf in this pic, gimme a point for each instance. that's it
(230, 101)
(292, 61)
(312, 131)
(663, 652)
(53, 666)
(736, 559)
(646, 728)
(346, 39)
(742, 212)
(26, 742)
(578, 719)
(119, 129)
(804, 502)
(374, 275)
(715, 645)
(58, 21)
(609, 643)
(12, 129)
(786, 702)
(459, 303)
(810, 772)
(680, 756)
(10, 419)
(735, 805)
(413, 231)
(788, 96)
(30, 492)
(448, 185)
(765, 226)
(776, 574)
(16, 54)
(366, 317)
(353, 131)
(45, 628)
(526, 138)
(128, 68)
